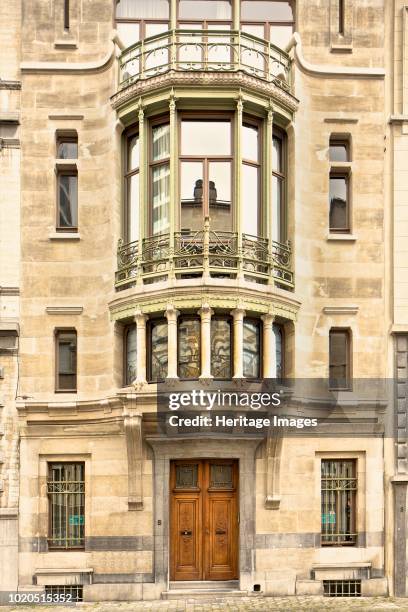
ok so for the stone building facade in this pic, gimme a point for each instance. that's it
(201, 199)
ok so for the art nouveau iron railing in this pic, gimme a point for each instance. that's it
(204, 253)
(205, 51)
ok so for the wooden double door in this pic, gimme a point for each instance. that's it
(204, 519)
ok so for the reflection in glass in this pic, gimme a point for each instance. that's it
(338, 365)
(221, 348)
(128, 33)
(338, 151)
(161, 142)
(131, 356)
(219, 185)
(252, 349)
(250, 199)
(266, 10)
(250, 149)
(67, 149)
(189, 348)
(338, 203)
(133, 208)
(67, 360)
(68, 201)
(277, 154)
(192, 194)
(277, 330)
(206, 138)
(134, 153)
(276, 208)
(161, 198)
(158, 351)
(205, 9)
(142, 9)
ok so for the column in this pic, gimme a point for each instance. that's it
(238, 334)
(173, 178)
(205, 313)
(140, 320)
(142, 191)
(267, 216)
(236, 17)
(239, 205)
(171, 315)
(268, 347)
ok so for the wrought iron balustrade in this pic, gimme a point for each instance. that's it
(204, 253)
(205, 51)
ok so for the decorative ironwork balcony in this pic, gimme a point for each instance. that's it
(205, 51)
(205, 253)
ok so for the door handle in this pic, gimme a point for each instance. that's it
(220, 532)
(186, 533)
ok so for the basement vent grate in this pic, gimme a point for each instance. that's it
(64, 593)
(342, 588)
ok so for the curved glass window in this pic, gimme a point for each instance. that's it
(279, 344)
(130, 355)
(189, 347)
(278, 186)
(252, 348)
(221, 367)
(158, 351)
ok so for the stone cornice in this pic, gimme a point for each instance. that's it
(205, 80)
(333, 71)
(64, 310)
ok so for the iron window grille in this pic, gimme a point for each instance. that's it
(66, 494)
(342, 588)
(64, 593)
(338, 510)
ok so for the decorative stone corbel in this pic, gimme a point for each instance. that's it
(134, 445)
(273, 460)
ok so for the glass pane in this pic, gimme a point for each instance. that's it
(67, 149)
(161, 198)
(191, 196)
(219, 195)
(206, 138)
(68, 201)
(158, 349)
(266, 10)
(277, 209)
(143, 9)
(67, 356)
(338, 202)
(134, 153)
(221, 476)
(338, 358)
(156, 51)
(250, 200)
(279, 350)
(191, 49)
(161, 142)
(219, 50)
(281, 35)
(187, 476)
(251, 349)
(221, 348)
(338, 151)
(250, 149)
(189, 348)
(252, 51)
(277, 154)
(131, 355)
(205, 9)
(133, 209)
(128, 33)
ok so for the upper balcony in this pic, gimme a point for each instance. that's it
(209, 52)
(204, 254)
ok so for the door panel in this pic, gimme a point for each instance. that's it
(204, 520)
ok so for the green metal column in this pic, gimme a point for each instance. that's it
(267, 195)
(143, 205)
(173, 179)
(238, 192)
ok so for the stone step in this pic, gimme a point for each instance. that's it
(202, 594)
(189, 585)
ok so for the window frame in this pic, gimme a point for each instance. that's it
(344, 173)
(126, 330)
(206, 160)
(354, 506)
(57, 332)
(281, 327)
(248, 120)
(70, 171)
(127, 179)
(149, 353)
(229, 319)
(50, 464)
(259, 323)
(282, 176)
(155, 122)
(180, 319)
(349, 353)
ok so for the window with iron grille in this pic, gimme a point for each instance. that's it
(64, 593)
(342, 588)
(338, 513)
(66, 494)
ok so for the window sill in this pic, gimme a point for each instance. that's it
(341, 237)
(339, 48)
(65, 44)
(64, 236)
